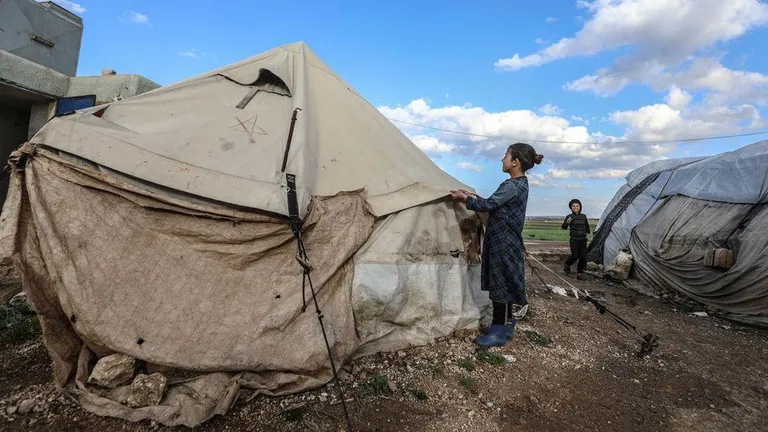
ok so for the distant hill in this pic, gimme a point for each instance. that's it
(558, 218)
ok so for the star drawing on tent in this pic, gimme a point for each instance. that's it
(253, 129)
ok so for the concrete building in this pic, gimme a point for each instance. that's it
(39, 53)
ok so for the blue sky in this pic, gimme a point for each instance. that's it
(592, 73)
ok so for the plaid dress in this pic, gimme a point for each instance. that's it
(503, 274)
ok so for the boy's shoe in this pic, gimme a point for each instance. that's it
(496, 337)
(567, 269)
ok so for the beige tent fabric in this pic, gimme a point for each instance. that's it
(670, 244)
(110, 270)
(211, 296)
(192, 138)
(155, 227)
(408, 287)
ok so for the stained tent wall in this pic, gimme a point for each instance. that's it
(694, 206)
(155, 227)
(631, 203)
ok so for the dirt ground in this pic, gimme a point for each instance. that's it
(573, 369)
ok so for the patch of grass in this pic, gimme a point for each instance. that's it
(491, 358)
(537, 338)
(548, 230)
(467, 364)
(375, 385)
(418, 393)
(18, 322)
(545, 234)
(467, 381)
(437, 371)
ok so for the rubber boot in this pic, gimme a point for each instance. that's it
(567, 269)
(509, 332)
(497, 336)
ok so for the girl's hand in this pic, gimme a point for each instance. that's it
(459, 195)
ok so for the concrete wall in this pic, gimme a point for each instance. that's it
(110, 88)
(31, 76)
(13, 133)
(39, 116)
(24, 20)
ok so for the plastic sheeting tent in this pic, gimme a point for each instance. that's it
(156, 227)
(672, 212)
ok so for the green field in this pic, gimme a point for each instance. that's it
(548, 230)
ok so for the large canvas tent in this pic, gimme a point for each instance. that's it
(157, 227)
(672, 214)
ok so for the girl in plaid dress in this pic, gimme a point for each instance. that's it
(502, 271)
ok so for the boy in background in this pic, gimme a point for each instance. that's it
(579, 226)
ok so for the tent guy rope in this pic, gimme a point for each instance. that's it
(303, 259)
(648, 341)
(667, 141)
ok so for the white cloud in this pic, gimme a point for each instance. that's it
(430, 144)
(574, 151)
(70, 5)
(573, 146)
(708, 74)
(189, 53)
(660, 32)
(550, 110)
(138, 18)
(580, 119)
(469, 166)
(551, 19)
(540, 41)
(678, 99)
(600, 173)
(544, 181)
(726, 85)
(194, 54)
(666, 44)
(664, 122)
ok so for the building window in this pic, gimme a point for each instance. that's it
(71, 104)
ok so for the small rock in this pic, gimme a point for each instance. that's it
(510, 358)
(11, 410)
(401, 354)
(147, 390)
(636, 381)
(409, 368)
(489, 404)
(113, 370)
(471, 413)
(700, 314)
(26, 406)
(392, 386)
